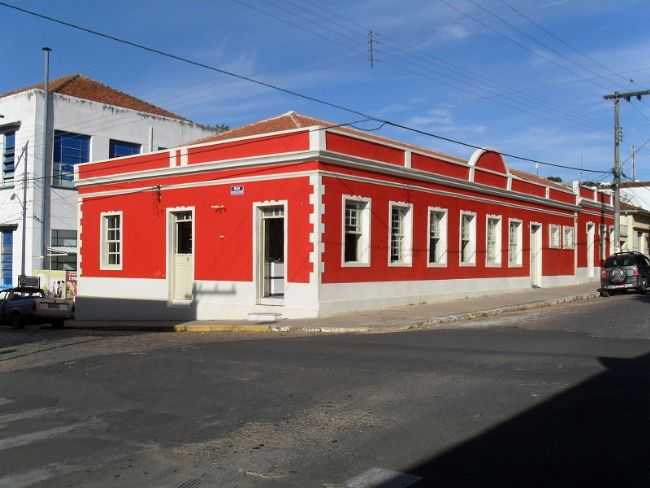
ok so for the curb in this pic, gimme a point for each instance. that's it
(264, 329)
(504, 310)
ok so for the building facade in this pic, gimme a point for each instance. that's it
(88, 121)
(635, 228)
(299, 217)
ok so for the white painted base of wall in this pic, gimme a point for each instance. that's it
(147, 299)
(562, 280)
(583, 275)
(348, 297)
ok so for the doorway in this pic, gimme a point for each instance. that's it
(590, 248)
(181, 257)
(271, 255)
(536, 255)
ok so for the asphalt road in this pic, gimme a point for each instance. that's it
(558, 397)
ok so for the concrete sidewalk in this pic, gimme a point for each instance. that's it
(387, 320)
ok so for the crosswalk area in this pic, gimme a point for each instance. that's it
(33, 440)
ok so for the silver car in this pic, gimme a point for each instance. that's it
(26, 305)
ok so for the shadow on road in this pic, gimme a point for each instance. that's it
(596, 433)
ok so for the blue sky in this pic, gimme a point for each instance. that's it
(474, 70)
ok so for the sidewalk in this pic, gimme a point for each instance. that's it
(387, 320)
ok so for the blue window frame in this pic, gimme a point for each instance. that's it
(69, 150)
(117, 149)
(8, 158)
(6, 257)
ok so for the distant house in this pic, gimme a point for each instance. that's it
(90, 121)
(635, 228)
(302, 217)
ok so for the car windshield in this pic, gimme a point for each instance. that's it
(622, 260)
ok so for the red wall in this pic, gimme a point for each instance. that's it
(485, 178)
(598, 218)
(438, 166)
(224, 242)
(554, 262)
(364, 149)
(492, 161)
(528, 188)
(277, 144)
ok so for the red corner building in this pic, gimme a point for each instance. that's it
(300, 217)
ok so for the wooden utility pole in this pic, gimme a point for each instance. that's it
(618, 137)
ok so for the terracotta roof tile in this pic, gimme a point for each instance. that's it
(294, 120)
(80, 86)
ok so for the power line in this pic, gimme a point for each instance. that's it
(562, 41)
(280, 89)
(512, 39)
(423, 66)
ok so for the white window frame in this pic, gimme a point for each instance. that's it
(441, 258)
(551, 244)
(472, 239)
(499, 248)
(407, 243)
(103, 241)
(519, 248)
(365, 239)
(612, 243)
(570, 228)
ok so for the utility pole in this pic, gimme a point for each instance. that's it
(633, 163)
(618, 137)
(371, 48)
(24, 229)
(47, 158)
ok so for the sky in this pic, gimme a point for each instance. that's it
(525, 77)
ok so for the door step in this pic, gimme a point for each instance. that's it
(264, 317)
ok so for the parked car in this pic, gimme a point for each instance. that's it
(625, 271)
(26, 305)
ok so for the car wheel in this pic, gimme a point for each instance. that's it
(58, 324)
(16, 321)
(604, 293)
(643, 289)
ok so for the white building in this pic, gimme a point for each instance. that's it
(90, 121)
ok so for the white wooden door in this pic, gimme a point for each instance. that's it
(182, 256)
(535, 255)
(591, 235)
(271, 258)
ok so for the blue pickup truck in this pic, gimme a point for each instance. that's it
(27, 305)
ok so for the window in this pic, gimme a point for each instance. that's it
(69, 150)
(400, 234)
(515, 243)
(64, 238)
(603, 241)
(8, 158)
(356, 231)
(568, 237)
(6, 257)
(555, 238)
(64, 262)
(117, 149)
(437, 237)
(493, 254)
(467, 238)
(612, 243)
(111, 240)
